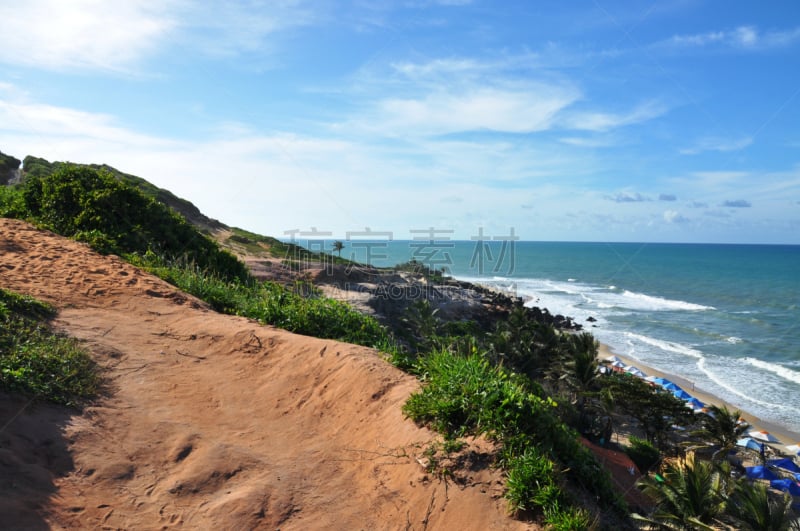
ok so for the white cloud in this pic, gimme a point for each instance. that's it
(93, 34)
(119, 36)
(518, 111)
(673, 216)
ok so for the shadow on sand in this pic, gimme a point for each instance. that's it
(33, 452)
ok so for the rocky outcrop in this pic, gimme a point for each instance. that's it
(389, 294)
(9, 169)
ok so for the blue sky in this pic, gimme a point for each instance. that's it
(587, 120)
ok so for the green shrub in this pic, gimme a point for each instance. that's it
(114, 216)
(531, 481)
(568, 519)
(466, 395)
(643, 453)
(11, 203)
(36, 362)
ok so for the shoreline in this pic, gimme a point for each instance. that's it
(785, 435)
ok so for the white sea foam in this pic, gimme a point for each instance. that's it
(747, 395)
(780, 370)
(733, 340)
(666, 345)
(640, 301)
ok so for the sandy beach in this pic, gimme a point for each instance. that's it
(784, 435)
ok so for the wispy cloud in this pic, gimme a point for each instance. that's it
(717, 144)
(629, 197)
(742, 37)
(589, 142)
(737, 203)
(600, 121)
(667, 197)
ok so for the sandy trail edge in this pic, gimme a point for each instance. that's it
(211, 421)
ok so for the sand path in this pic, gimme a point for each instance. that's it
(212, 421)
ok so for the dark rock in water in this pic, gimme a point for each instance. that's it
(591, 319)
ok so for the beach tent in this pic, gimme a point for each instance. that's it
(694, 404)
(750, 444)
(794, 449)
(760, 472)
(612, 359)
(672, 387)
(763, 436)
(786, 485)
(784, 463)
(683, 395)
(630, 369)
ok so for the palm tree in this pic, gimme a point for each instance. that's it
(689, 494)
(754, 508)
(338, 246)
(722, 428)
(580, 369)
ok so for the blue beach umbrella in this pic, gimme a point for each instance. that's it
(750, 444)
(683, 395)
(672, 387)
(656, 380)
(760, 472)
(786, 485)
(785, 463)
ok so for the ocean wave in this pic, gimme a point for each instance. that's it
(640, 301)
(733, 389)
(733, 340)
(780, 370)
(666, 345)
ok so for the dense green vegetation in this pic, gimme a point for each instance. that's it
(467, 395)
(115, 217)
(36, 362)
(41, 168)
(695, 494)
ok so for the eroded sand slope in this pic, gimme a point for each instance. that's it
(212, 421)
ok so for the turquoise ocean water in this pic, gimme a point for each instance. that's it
(722, 316)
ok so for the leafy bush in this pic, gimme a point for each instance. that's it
(11, 203)
(531, 481)
(36, 362)
(466, 395)
(643, 453)
(114, 216)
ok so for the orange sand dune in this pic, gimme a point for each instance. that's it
(212, 421)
